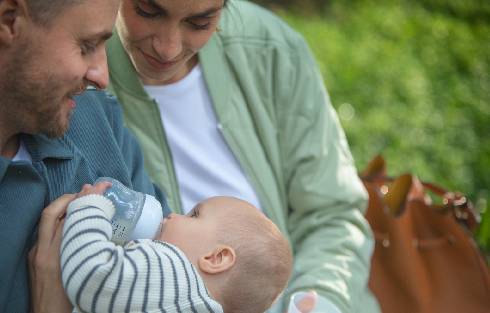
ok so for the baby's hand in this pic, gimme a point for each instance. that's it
(98, 189)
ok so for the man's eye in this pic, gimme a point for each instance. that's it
(88, 48)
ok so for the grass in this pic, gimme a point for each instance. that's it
(411, 80)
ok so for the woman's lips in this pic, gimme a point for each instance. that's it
(156, 63)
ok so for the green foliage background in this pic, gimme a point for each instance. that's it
(410, 80)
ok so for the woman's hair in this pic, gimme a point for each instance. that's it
(263, 263)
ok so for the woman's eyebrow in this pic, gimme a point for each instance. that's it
(156, 6)
(205, 13)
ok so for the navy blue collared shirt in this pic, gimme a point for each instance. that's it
(96, 144)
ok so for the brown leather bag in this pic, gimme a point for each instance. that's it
(425, 260)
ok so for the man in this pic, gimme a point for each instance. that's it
(53, 138)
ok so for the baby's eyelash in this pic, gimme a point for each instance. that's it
(194, 212)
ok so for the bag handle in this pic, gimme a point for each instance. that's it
(461, 207)
(406, 188)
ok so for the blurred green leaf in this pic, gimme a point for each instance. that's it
(410, 80)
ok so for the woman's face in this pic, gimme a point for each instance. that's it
(162, 37)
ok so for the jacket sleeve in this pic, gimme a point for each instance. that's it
(332, 241)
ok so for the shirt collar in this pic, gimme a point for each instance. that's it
(41, 147)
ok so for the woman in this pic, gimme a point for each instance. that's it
(226, 99)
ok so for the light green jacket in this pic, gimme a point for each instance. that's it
(277, 119)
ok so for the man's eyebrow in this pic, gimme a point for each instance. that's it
(100, 36)
(105, 35)
(203, 14)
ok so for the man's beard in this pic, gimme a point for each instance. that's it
(31, 97)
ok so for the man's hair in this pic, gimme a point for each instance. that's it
(45, 11)
(263, 263)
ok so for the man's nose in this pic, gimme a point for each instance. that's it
(97, 73)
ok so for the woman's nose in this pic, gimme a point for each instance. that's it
(168, 44)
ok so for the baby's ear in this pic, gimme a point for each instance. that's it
(219, 260)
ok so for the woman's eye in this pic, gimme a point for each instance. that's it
(199, 26)
(142, 10)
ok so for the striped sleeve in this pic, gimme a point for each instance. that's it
(142, 276)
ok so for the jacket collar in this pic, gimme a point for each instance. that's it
(121, 70)
(217, 75)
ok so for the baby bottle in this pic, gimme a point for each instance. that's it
(137, 216)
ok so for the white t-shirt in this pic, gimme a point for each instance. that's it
(203, 162)
(22, 154)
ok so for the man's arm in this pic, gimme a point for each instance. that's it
(47, 294)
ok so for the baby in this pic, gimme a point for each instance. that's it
(224, 256)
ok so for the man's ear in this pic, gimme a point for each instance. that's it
(219, 260)
(12, 12)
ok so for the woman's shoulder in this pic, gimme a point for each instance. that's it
(248, 23)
